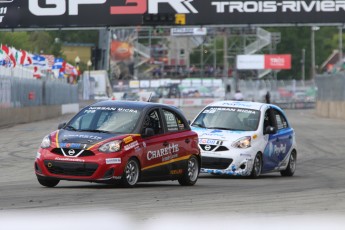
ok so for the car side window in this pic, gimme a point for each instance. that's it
(280, 119)
(153, 121)
(173, 121)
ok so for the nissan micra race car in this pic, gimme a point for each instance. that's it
(123, 141)
(245, 139)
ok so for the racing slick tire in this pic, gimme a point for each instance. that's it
(291, 167)
(257, 166)
(191, 173)
(131, 173)
(48, 182)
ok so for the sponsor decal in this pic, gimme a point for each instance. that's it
(169, 157)
(255, 136)
(69, 159)
(172, 148)
(209, 142)
(176, 171)
(112, 109)
(83, 136)
(279, 149)
(128, 139)
(38, 155)
(111, 161)
(277, 6)
(73, 145)
(131, 145)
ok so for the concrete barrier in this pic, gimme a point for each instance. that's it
(331, 109)
(13, 116)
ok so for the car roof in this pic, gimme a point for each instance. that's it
(141, 105)
(239, 104)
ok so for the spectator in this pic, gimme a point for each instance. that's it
(268, 97)
(238, 95)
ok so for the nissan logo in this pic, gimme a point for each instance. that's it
(207, 147)
(71, 152)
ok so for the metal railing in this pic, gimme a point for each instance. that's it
(23, 92)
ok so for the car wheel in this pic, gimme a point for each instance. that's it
(48, 182)
(257, 166)
(191, 173)
(130, 176)
(290, 169)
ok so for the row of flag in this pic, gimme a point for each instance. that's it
(11, 57)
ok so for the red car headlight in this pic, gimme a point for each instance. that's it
(46, 142)
(110, 147)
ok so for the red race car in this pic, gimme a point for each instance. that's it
(120, 141)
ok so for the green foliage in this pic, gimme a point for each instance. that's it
(47, 42)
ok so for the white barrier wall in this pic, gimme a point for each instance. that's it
(189, 102)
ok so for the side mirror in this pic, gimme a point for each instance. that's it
(148, 132)
(61, 125)
(270, 130)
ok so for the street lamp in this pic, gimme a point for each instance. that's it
(89, 64)
(77, 61)
(313, 29)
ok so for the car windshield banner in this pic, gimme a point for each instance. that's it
(102, 13)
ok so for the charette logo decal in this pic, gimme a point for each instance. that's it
(71, 7)
(275, 6)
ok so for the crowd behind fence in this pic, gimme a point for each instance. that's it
(23, 92)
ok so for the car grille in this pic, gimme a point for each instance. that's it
(70, 168)
(215, 163)
(215, 148)
(85, 153)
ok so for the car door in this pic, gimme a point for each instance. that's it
(279, 143)
(155, 148)
(180, 142)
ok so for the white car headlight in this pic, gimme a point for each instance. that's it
(243, 143)
(110, 147)
(46, 142)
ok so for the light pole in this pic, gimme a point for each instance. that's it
(77, 61)
(89, 64)
(341, 45)
(303, 66)
(313, 29)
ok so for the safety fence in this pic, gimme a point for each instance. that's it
(331, 87)
(23, 92)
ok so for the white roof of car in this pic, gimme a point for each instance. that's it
(239, 104)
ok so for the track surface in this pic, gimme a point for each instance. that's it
(317, 189)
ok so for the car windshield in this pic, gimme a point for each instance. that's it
(105, 120)
(226, 118)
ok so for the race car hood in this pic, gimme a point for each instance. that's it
(89, 138)
(217, 134)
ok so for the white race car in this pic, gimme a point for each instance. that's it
(243, 138)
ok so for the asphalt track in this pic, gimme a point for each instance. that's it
(316, 192)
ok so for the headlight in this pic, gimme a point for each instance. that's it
(45, 142)
(243, 143)
(110, 147)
